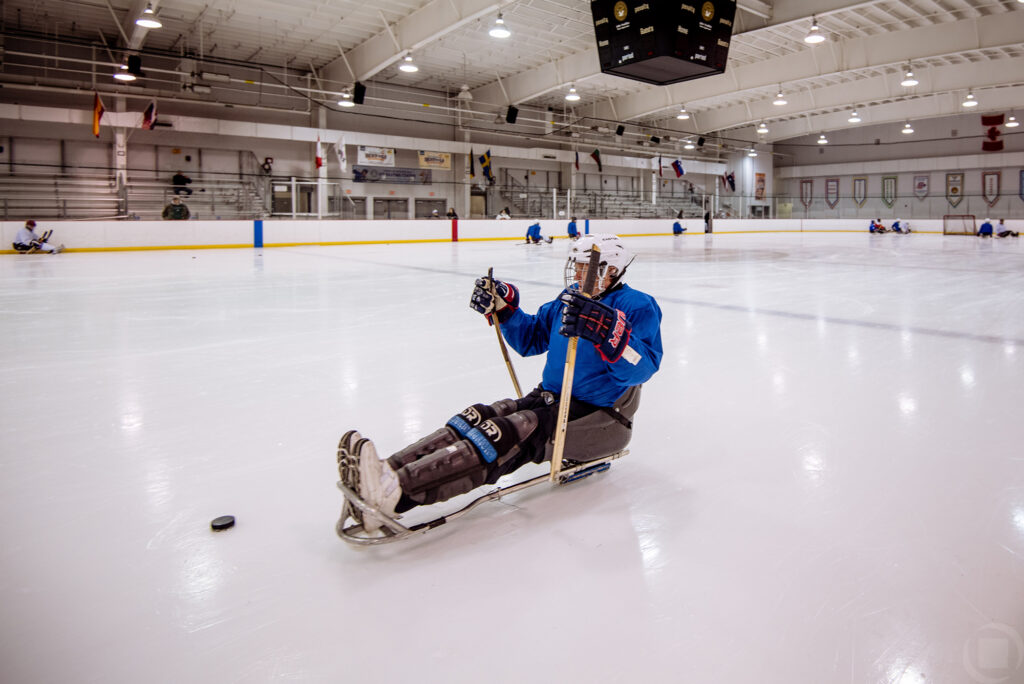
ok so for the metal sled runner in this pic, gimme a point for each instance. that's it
(393, 530)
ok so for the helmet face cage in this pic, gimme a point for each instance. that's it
(583, 259)
(613, 253)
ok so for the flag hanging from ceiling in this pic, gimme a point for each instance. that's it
(596, 156)
(319, 153)
(97, 114)
(149, 116)
(577, 160)
(659, 166)
(339, 151)
(992, 142)
(731, 180)
(485, 166)
(678, 166)
(472, 164)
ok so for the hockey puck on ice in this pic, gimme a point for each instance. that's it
(223, 522)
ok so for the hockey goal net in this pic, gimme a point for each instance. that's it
(959, 224)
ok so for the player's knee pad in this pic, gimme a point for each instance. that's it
(458, 462)
(495, 438)
(428, 445)
(472, 416)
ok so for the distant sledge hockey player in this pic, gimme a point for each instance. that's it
(677, 228)
(484, 442)
(877, 226)
(900, 226)
(1002, 231)
(985, 230)
(574, 234)
(533, 234)
(27, 241)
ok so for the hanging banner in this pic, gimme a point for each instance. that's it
(435, 160)
(921, 186)
(990, 182)
(860, 191)
(889, 190)
(759, 186)
(806, 192)
(376, 156)
(832, 192)
(368, 174)
(954, 188)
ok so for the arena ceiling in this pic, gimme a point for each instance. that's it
(299, 52)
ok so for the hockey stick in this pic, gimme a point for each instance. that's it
(501, 340)
(570, 365)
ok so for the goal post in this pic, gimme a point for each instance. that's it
(959, 224)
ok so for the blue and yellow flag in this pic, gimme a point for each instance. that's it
(485, 165)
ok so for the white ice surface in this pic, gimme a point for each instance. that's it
(826, 481)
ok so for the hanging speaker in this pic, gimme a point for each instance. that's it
(655, 139)
(358, 93)
(511, 114)
(700, 142)
(620, 130)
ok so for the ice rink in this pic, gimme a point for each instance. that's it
(825, 485)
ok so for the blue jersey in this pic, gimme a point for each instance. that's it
(986, 229)
(572, 229)
(594, 380)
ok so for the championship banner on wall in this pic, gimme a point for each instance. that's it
(806, 192)
(860, 191)
(369, 174)
(832, 192)
(376, 156)
(990, 182)
(921, 186)
(759, 186)
(889, 190)
(435, 160)
(954, 188)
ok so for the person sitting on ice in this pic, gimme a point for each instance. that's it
(876, 226)
(574, 233)
(27, 241)
(677, 228)
(533, 234)
(985, 230)
(897, 227)
(619, 348)
(1002, 231)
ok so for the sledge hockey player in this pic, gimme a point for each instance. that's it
(571, 229)
(27, 241)
(899, 226)
(985, 230)
(533, 234)
(619, 348)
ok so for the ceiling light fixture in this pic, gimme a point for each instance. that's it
(1012, 121)
(346, 100)
(407, 65)
(779, 99)
(572, 95)
(689, 145)
(122, 74)
(683, 115)
(854, 117)
(822, 140)
(969, 101)
(907, 129)
(499, 30)
(148, 18)
(762, 129)
(908, 79)
(815, 35)
(752, 152)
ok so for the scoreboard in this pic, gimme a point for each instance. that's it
(663, 42)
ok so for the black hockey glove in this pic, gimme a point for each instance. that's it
(606, 327)
(506, 303)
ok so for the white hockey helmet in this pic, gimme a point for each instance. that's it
(613, 253)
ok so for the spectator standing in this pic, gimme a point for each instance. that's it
(176, 210)
(503, 215)
(451, 213)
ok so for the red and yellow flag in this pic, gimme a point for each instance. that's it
(97, 114)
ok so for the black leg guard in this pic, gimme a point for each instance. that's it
(457, 428)
(448, 472)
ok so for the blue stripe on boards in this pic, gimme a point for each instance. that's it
(586, 226)
(257, 233)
